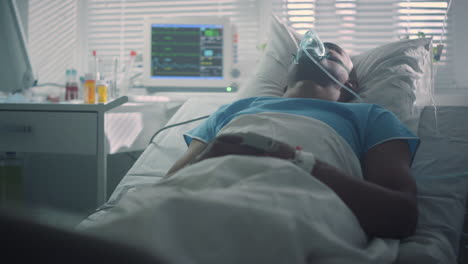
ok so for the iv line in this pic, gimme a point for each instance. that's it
(448, 176)
(434, 68)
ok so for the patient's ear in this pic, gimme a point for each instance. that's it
(346, 96)
(354, 85)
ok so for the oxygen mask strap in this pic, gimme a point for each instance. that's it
(311, 42)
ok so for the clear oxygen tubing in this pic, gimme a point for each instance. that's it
(311, 40)
(446, 176)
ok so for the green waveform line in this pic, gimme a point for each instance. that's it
(175, 54)
(162, 73)
(175, 44)
(174, 65)
(176, 32)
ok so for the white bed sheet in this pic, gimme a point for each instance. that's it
(441, 201)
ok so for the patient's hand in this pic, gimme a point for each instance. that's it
(230, 144)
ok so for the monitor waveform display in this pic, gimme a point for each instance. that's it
(186, 51)
(172, 68)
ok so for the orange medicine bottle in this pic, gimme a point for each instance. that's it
(89, 94)
(102, 91)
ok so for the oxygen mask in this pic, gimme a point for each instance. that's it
(315, 50)
(312, 44)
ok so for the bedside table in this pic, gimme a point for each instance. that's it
(62, 128)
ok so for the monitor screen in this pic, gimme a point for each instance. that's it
(16, 72)
(185, 52)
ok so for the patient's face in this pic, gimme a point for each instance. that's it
(338, 63)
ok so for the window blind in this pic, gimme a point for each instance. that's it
(115, 28)
(53, 38)
(359, 25)
(62, 34)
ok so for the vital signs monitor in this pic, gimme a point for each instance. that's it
(188, 52)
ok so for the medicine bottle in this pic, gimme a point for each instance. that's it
(102, 91)
(89, 89)
(11, 180)
(71, 86)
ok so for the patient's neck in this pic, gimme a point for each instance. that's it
(310, 89)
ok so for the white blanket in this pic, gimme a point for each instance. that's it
(239, 209)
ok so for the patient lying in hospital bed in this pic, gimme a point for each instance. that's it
(347, 188)
(382, 145)
(172, 216)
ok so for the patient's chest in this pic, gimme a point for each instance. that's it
(341, 118)
(311, 134)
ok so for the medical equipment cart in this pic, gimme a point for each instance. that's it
(61, 128)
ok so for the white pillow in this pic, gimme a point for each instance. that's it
(396, 76)
(270, 76)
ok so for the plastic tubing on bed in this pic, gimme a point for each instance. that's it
(177, 124)
(447, 176)
(311, 34)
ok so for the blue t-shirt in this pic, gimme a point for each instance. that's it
(361, 125)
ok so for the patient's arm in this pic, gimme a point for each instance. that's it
(385, 203)
(195, 148)
(227, 144)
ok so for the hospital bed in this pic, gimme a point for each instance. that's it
(441, 200)
(441, 157)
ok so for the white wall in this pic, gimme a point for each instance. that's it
(459, 95)
(460, 10)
